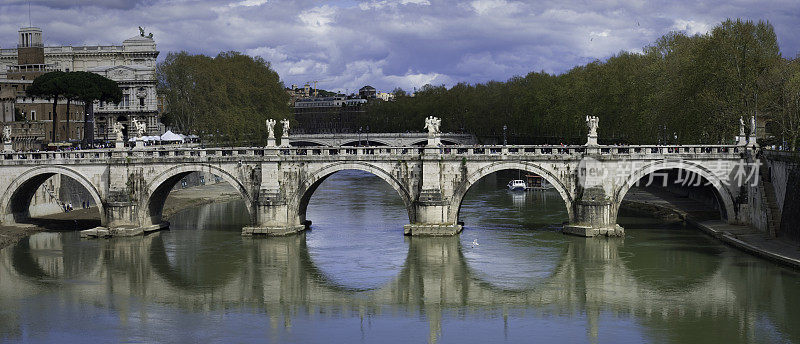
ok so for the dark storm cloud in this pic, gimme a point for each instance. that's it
(388, 43)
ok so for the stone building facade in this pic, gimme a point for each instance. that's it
(131, 64)
(31, 119)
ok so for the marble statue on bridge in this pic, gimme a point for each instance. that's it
(592, 122)
(285, 134)
(117, 129)
(753, 139)
(270, 128)
(270, 132)
(434, 135)
(741, 127)
(7, 134)
(140, 127)
(432, 124)
(285, 123)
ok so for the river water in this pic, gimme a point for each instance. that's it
(509, 277)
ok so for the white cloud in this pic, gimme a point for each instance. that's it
(412, 80)
(248, 3)
(495, 7)
(691, 27)
(270, 54)
(380, 4)
(318, 19)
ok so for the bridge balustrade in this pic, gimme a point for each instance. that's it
(485, 150)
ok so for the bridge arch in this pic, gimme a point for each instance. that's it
(17, 197)
(725, 195)
(159, 188)
(310, 184)
(558, 184)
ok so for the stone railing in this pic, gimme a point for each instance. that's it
(638, 151)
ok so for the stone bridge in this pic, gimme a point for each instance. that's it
(130, 186)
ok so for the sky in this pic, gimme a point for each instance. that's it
(394, 43)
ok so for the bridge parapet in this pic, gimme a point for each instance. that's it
(261, 153)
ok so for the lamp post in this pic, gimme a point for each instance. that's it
(504, 135)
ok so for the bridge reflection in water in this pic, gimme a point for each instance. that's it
(662, 284)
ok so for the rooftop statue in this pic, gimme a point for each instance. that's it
(141, 31)
(432, 124)
(271, 128)
(592, 122)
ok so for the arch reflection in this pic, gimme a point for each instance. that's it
(669, 257)
(197, 260)
(52, 257)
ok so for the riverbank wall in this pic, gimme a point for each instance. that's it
(774, 202)
(784, 174)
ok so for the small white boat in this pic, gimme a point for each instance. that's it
(517, 185)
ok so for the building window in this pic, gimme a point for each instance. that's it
(33, 115)
(141, 101)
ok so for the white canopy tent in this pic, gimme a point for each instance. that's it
(169, 136)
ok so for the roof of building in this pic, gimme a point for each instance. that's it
(138, 39)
